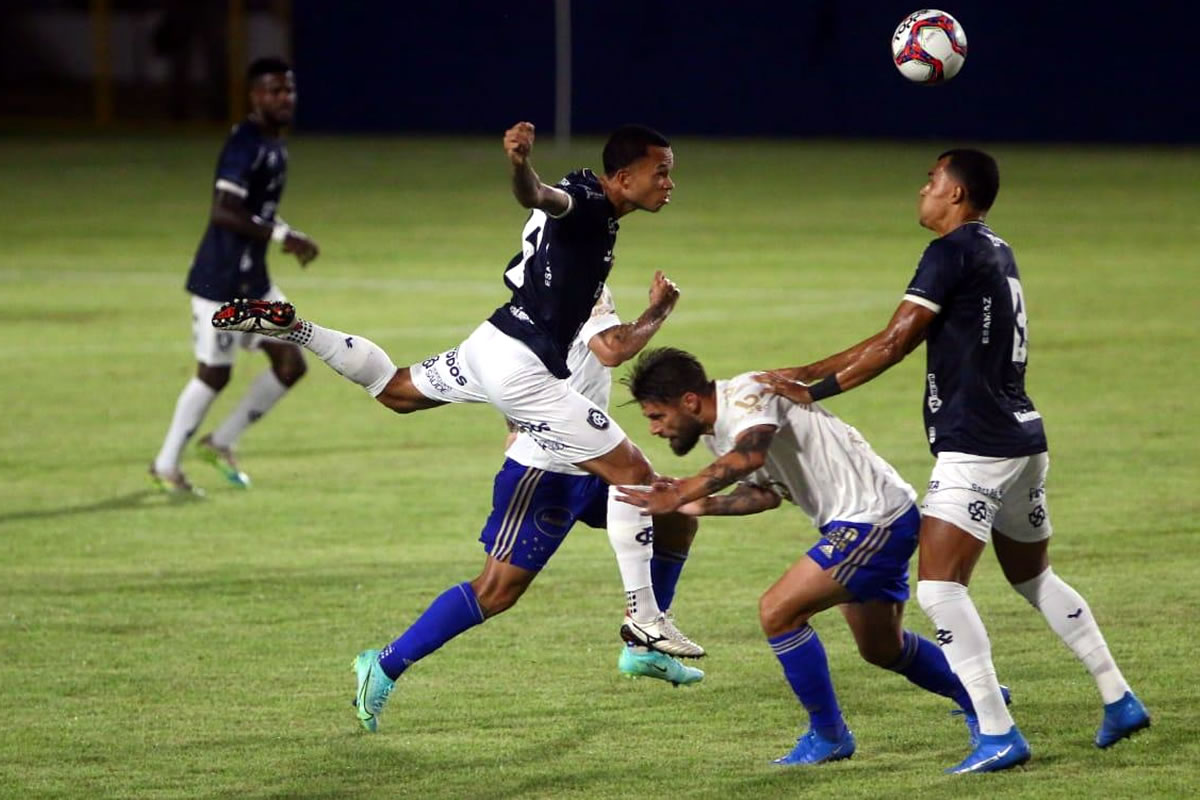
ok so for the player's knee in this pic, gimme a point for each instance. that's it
(880, 652)
(497, 596)
(214, 378)
(291, 372)
(776, 617)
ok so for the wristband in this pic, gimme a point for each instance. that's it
(280, 232)
(827, 387)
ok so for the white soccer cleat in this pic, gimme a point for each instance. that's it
(268, 317)
(660, 635)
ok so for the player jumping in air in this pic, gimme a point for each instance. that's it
(989, 483)
(777, 451)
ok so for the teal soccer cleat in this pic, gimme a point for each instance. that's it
(635, 663)
(994, 753)
(813, 748)
(373, 688)
(221, 458)
(1121, 719)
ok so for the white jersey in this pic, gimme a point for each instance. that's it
(816, 461)
(589, 377)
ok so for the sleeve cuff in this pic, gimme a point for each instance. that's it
(924, 302)
(224, 185)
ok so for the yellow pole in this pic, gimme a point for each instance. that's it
(237, 60)
(102, 92)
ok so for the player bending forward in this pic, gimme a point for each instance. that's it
(775, 451)
(536, 501)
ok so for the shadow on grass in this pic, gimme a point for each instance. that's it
(143, 499)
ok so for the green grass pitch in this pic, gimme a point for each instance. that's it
(181, 650)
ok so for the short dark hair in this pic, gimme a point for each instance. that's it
(627, 144)
(977, 172)
(665, 374)
(269, 65)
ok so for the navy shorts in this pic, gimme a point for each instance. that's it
(869, 560)
(533, 510)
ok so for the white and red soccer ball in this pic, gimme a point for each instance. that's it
(929, 46)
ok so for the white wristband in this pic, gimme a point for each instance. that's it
(280, 231)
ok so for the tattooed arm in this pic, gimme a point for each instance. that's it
(748, 454)
(746, 499)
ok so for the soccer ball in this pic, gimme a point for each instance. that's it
(929, 46)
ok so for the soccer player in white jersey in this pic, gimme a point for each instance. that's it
(967, 304)
(864, 510)
(536, 500)
(516, 360)
(231, 262)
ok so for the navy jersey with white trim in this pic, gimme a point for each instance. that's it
(977, 347)
(228, 265)
(560, 272)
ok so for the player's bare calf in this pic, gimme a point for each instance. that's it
(267, 317)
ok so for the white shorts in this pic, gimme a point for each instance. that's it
(492, 367)
(216, 348)
(979, 494)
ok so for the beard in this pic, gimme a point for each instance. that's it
(682, 444)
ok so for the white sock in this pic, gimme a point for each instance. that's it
(262, 395)
(632, 538)
(964, 642)
(1069, 616)
(190, 409)
(352, 357)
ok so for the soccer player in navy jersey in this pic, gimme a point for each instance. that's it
(231, 262)
(517, 359)
(967, 304)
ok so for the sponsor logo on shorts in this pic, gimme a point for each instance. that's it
(934, 486)
(995, 494)
(452, 367)
(597, 419)
(842, 538)
(436, 381)
(1037, 493)
(553, 521)
(979, 511)
(1037, 517)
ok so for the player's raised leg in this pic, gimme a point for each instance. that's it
(784, 611)
(1027, 567)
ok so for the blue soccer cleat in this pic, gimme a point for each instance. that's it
(972, 719)
(813, 748)
(994, 753)
(1121, 719)
(221, 458)
(635, 663)
(374, 686)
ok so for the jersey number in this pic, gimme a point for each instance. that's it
(1020, 351)
(529, 247)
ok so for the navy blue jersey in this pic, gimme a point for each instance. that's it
(228, 265)
(977, 347)
(560, 272)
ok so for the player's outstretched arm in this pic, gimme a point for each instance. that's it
(229, 211)
(744, 500)
(856, 365)
(614, 346)
(526, 185)
(748, 454)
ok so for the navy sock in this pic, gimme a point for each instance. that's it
(807, 670)
(924, 663)
(454, 611)
(665, 567)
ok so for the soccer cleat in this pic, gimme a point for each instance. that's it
(174, 483)
(635, 663)
(813, 748)
(222, 459)
(268, 317)
(660, 635)
(1121, 719)
(373, 688)
(972, 719)
(994, 753)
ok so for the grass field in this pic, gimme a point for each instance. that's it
(160, 649)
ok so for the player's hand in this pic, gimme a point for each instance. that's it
(777, 383)
(661, 498)
(518, 141)
(664, 293)
(304, 248)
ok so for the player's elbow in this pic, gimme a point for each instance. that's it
(610, 357)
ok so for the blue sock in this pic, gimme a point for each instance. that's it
(807, 670)
(665, 567)
(454, 611)
(923, 663)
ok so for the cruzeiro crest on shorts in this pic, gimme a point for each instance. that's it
(597, 419)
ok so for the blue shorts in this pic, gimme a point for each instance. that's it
(870, 561)
(533, 510)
